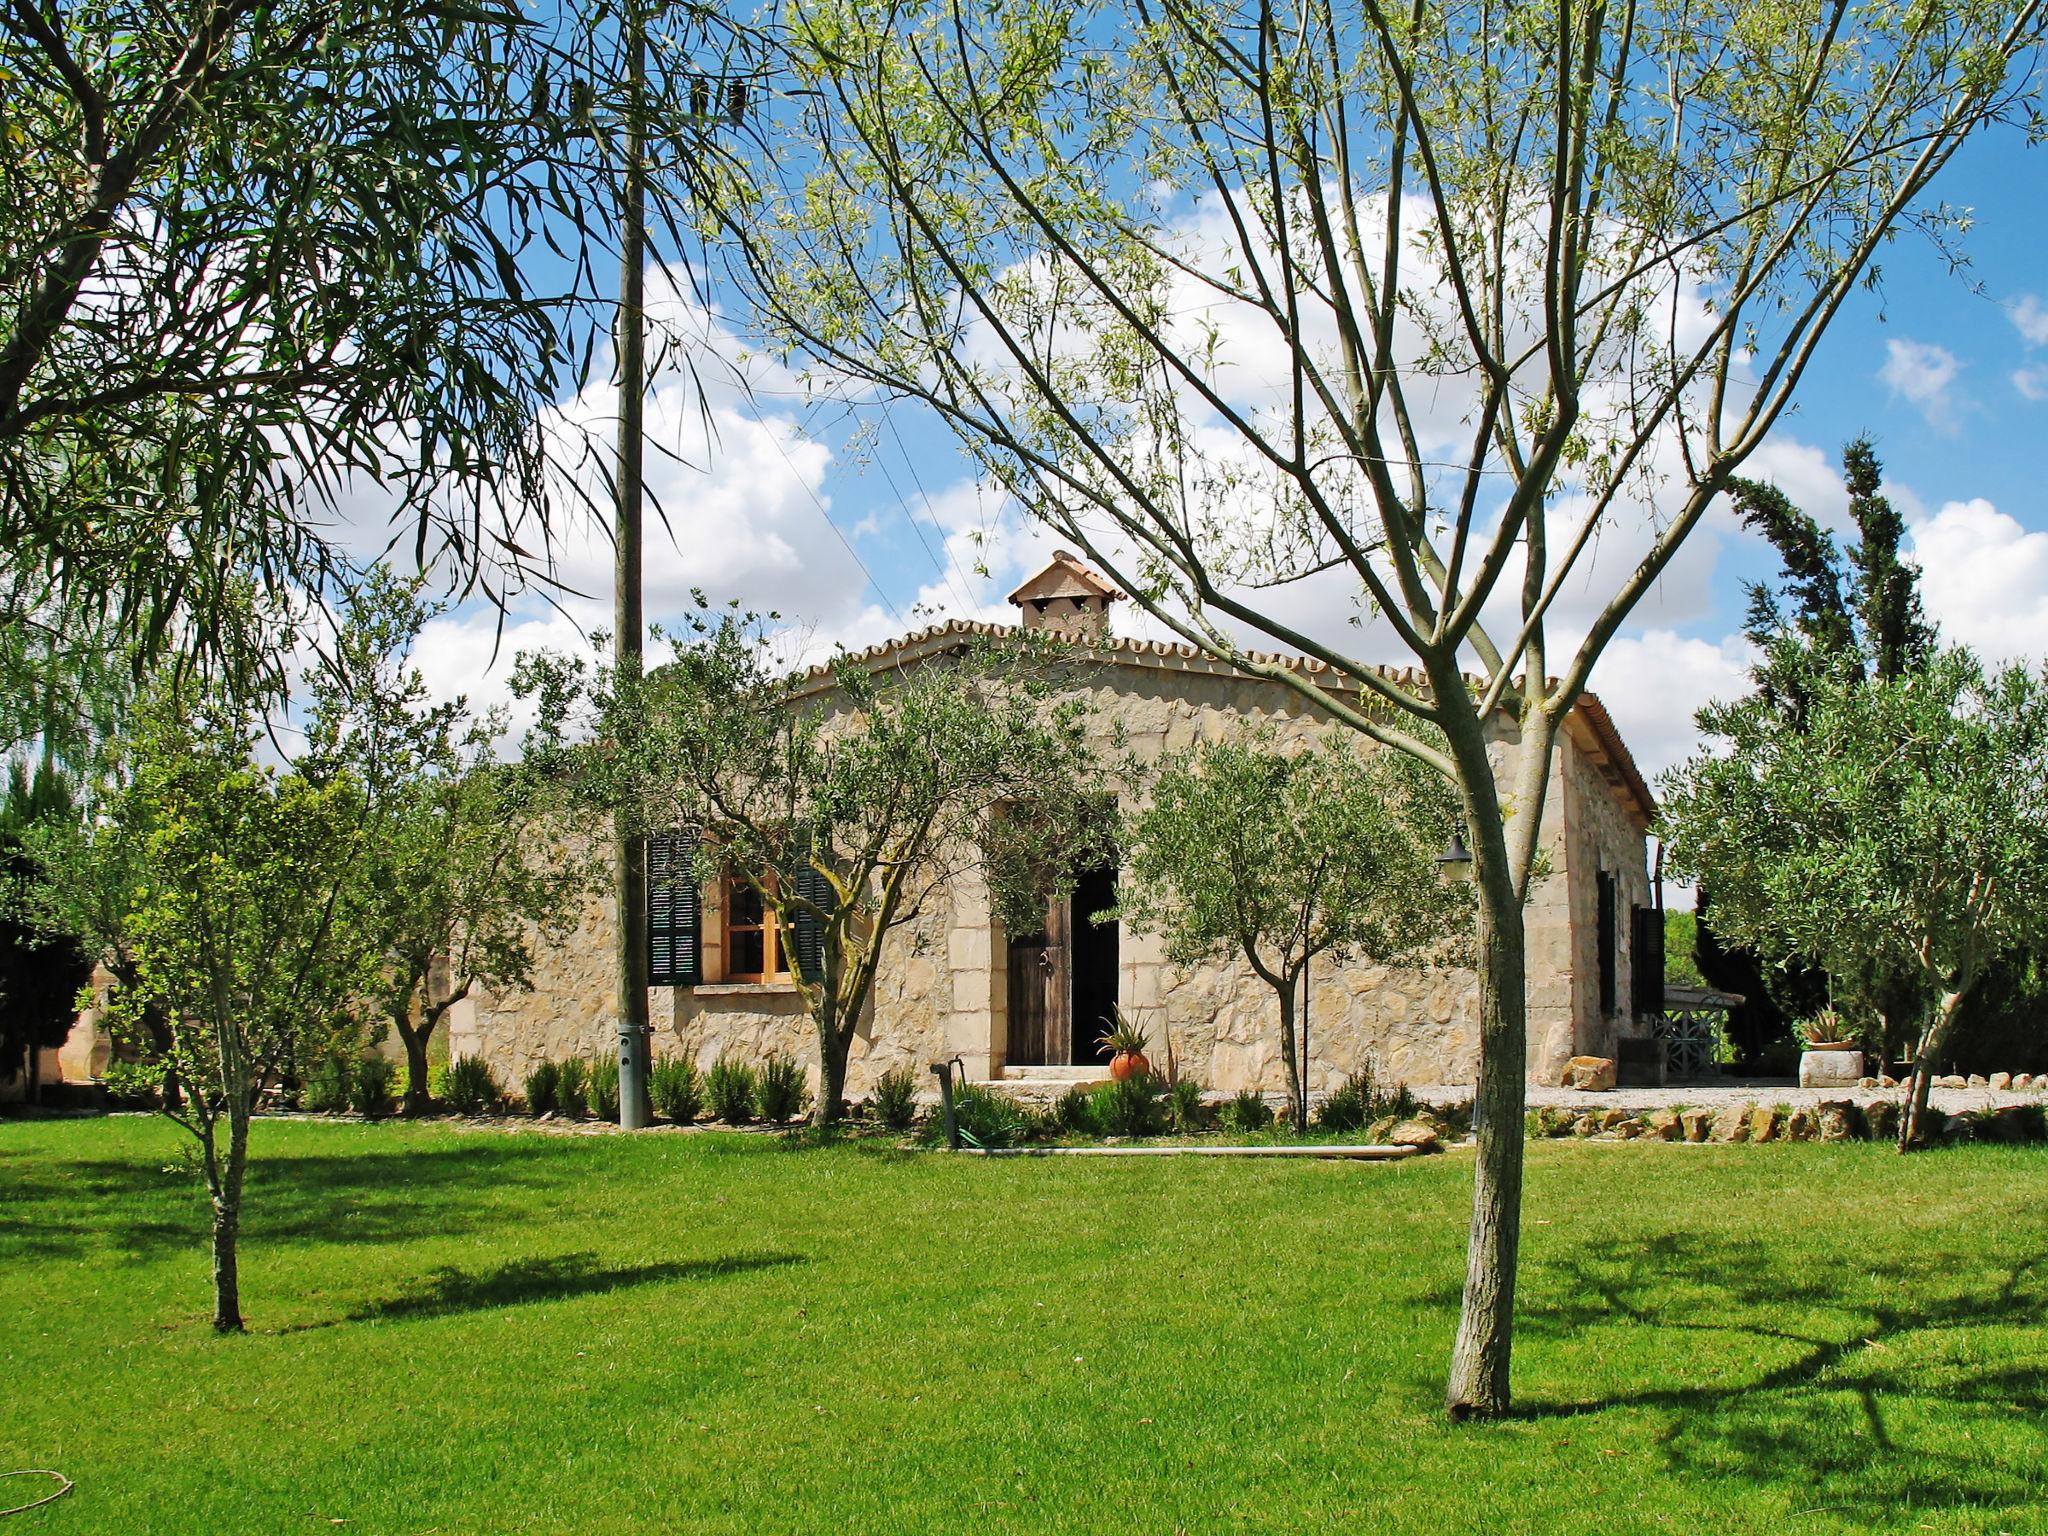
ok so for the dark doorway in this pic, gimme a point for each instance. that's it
(1092, 963)
(1062, 980)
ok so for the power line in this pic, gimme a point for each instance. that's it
(846, 544)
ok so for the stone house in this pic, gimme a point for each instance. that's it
(1023, 1007)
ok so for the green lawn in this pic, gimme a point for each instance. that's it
(481, 1332)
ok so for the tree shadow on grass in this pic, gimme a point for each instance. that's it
(76, 1208)
(448, 1290)
(1848, 1376)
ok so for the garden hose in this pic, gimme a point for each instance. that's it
(46, 1498)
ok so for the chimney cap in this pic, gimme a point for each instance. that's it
(1065, 576)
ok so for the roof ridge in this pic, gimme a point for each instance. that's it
(1588, 703)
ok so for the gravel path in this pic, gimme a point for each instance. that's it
(1729, 1092)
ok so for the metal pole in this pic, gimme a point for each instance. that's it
(943, 1070)
(630, 852)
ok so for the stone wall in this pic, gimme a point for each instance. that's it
(942, 986)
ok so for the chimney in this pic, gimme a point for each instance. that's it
(1066, 598)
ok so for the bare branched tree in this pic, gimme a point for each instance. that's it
(1449, 302)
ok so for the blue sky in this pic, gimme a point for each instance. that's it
(859, 527)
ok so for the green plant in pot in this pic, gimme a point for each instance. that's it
(1826, 1031)
(1125, 1042)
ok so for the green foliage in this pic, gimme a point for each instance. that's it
(677, 1089)
(894, 1100)
(985, 1117)
(1247, 1112)
(780, 1092)
(1823, 1028)
(1681, 944)
(182, 392)
(1186, 1112)
(1360, 1100)
(729, 1090)
(543, 1088)
(1073, 1113)
(471, 1087)
(1136, 1106)
(1123, 1037)
(572, 1089)
(1348, 1106)
(845, 805)
(370, 1088)
(1245, 850)
(331, 1084)
(604, 1087)
(468, 865)
(1894, 831)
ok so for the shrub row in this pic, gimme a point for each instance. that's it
(342, 1081)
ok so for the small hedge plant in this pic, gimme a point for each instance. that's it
(330, 1085)
(543, 1089)
(1247, 1113)
(572, 1089)
(780, 1092)
(1186, 1113)
(604, 1087)
(677, 1090)
(894, 1100)
(729, 1090)
(471, 1087)
(370, 1088)
(1134, 1107)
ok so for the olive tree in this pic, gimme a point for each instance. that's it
(1431, 305)
(466, 862)
(847, 799)
(1901, 828)
(1245, 850)
(238, 878)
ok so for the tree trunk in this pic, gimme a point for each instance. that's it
(1297, 1101)
(227, 1225)
(1927, 1060)
(1481, 1357)
(833, 1046)
(418, 1101)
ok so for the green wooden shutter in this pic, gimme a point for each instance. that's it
(1646, 961)
(807, 936)
(1605, 916)
(675, 939)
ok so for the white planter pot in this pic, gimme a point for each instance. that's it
(1830, 1069)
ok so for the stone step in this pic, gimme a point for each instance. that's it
(1058, 1074)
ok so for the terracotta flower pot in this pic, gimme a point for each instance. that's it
(1128, 1064)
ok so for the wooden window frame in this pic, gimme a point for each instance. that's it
(774, 956)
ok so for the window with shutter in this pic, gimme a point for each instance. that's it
(754, 949)
(675, 945)
(1606, 918)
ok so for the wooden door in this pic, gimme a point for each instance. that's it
(1041, 994)
(1029, 965)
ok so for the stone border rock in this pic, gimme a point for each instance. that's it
(1830, 1120)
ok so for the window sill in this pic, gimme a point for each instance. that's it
(746, 989)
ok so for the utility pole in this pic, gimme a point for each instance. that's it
(629, 624)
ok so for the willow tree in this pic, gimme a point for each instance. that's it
(262, 262)
(1432, 304)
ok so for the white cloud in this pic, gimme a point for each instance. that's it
(1985, 579)
(1654, 683)
(1922, 373)
(2032, 383)
(2030, 319)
